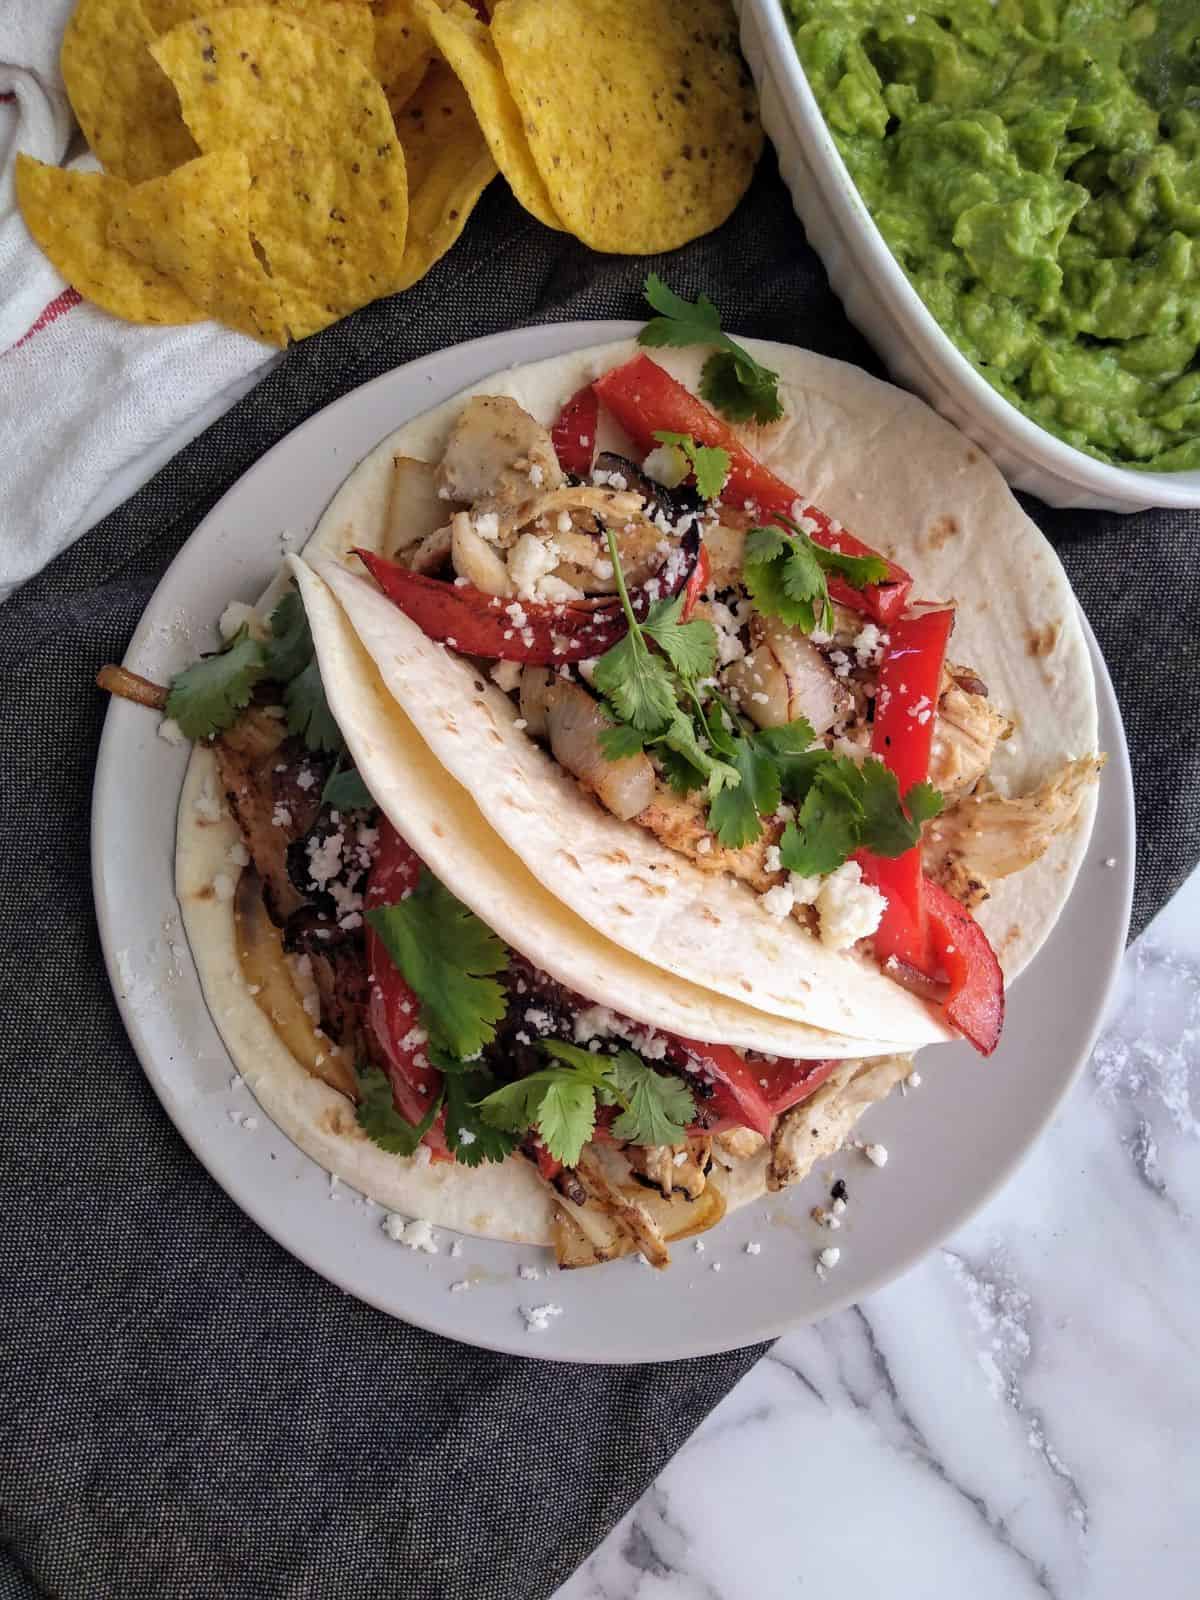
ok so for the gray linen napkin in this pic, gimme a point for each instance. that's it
(186, 1413)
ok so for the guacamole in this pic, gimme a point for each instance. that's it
(1034, 166)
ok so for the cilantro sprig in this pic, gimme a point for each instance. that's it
(207, 697)
(785, 575)
(379, 1119)
(731, 379)
(560, 1101)
(709, 462)
(449, 958)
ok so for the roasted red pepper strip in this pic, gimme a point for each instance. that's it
(906, 699)
(574, 434)
(736, 1093)
(393, 1010)
(785, 1083)
(645, 399)
(479, 624)
(975, 1004)
(696, 584)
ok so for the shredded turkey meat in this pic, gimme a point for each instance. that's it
(988, 835)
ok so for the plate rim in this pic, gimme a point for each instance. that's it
(519, 347)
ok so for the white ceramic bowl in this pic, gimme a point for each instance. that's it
(880, 300)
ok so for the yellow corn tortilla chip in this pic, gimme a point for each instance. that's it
(403, 50)
(349, 22)
(466, 43)
(640, 114)
(194, 226)
(329, 197)
(449, 166)
(126, 107)
(68, 213)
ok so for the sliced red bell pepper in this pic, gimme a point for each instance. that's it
(975, 1003)
(696, 584)
(574, 434)
(645, 399)
(736, 1093)
(393, 1010)
(785, 1083)
(532, 631)
(906, 699)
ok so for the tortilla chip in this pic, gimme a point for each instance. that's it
(194, 226)
(127, 109)
(403, 50)
(640, 114)
(349, 22)
(68, 213)
(329, 197)
(449, 166)
(466, 43)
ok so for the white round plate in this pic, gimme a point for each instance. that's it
(951, 1143)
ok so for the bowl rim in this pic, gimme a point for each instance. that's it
(937, 351)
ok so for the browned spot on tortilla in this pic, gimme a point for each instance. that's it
(207, 893)
(494, 736)
(572, 860)
(618, 858)
(941, 530)
(1041, 641)
(749, 987)
(336, 1120)
(972, 457)
(625, 911)
(710, 916)
(1011, 937)
(437, 828)
(652, 888)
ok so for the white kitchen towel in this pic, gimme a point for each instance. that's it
(83, 396)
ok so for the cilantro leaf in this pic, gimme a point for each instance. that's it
(381, 1122)
(738, 386)
(823, 835)
(589, 1063)
(732, 380)
(558, 1102)
(710, 463)
(888, 829)
(690, 647)
(449, 958)
(658, 1105)
(346, 791)
(637, 684)
(621, 741)
(471, 1138)
(308, 712)
(716, 775)
(289, 648)
(786, 580)
(734, 813)
(679, 772)
(207, 696)
(923, 802)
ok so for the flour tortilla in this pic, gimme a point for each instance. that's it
(907, 482)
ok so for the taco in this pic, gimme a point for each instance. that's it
(587, 829)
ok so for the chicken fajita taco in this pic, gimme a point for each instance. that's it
(589, 827)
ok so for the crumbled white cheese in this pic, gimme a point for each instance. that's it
(838, 1206)
(804, 890)
(777, 902)
(698, 1246)
(557, 591)
(325, 858)
(913, 1080)
(771, 861)
(849, 908)
(729, 644)
(537, 1318)
(595, 1022)
(506, 674)
(235, 617)
(487, 525)
(666, 465)
(1110, 861)
(876, 1154)
(237, 855)
(281, 817)
(704, 844)
(529, 1274)
(753, 1247)
(249, 1124)
(465, 1137)
(223, 886)
(416, 1235)
(530, 559)
(459, 1287)
(827, 1259)
(536, 475)
(170, 730)
(207, 804)
(456, 1248)
(563, 524)
(868, 646)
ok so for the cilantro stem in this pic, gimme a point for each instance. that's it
(635, 626)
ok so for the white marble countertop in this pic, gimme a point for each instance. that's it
(1017, 1416)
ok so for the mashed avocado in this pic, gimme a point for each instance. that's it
(1034, 165)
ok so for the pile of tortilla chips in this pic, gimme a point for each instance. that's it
(276, 165)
